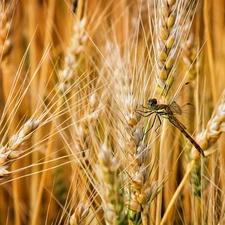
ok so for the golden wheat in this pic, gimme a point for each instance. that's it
(71, 86)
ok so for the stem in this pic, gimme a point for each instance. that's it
(176, 194)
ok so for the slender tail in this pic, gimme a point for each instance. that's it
(182, 128)
(193, 142)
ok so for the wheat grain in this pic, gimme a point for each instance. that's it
(80, 214)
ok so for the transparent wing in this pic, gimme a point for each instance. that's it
(175, 108)
(184, 95)
(188, 111)
(187, 114)
(181, 105)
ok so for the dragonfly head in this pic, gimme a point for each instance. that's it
(152, 103)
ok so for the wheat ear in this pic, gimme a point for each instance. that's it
(14, 149)
(165, 44)
(80, 214)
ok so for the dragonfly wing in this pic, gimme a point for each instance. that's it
(188, 110)
(175, 108)
(184, 114)
(184, 94)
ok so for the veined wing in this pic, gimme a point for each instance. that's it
(188, 109)
(184, 114)
(175, 108)
(181, 105)
(184, 94)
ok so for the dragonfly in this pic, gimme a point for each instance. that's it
(169, 111)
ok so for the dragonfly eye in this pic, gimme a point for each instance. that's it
(152, 103)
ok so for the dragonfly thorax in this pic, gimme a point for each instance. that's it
(152, 103)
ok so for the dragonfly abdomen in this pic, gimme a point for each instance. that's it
(176, 123)
(182, 128)
(193, 142)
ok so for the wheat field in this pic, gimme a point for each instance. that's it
(78, 143)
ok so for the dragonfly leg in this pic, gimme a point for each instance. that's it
(144, 107)
(150, 127)
(160, 123)
(143, 113)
